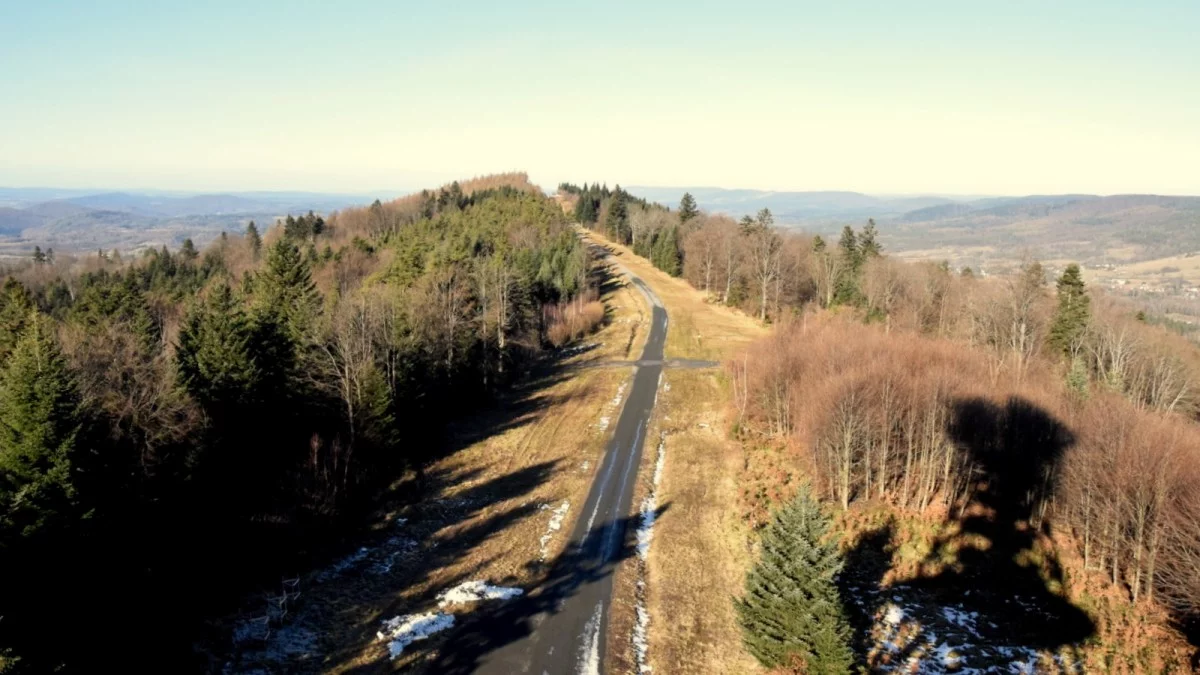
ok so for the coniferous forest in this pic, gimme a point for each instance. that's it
(178, 428)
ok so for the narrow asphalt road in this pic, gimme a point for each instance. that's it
(562, 626)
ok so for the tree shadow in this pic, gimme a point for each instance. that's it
(480, 638)
(999, 565)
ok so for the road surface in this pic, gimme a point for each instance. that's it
(561, 626)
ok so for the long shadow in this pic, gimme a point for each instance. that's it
(436, 507)
(490, 628)
(1016, 450)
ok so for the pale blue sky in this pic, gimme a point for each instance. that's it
(884, 97)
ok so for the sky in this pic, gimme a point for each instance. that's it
(901, 97)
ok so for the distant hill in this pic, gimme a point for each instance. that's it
(790, 207)
(978, 230)
(1086, 228)
(69, 220)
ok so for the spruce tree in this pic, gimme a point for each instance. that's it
(791, 609)
(39, 426)
(666, 251)
(253, 238)
(868, 243)
(285, 293)
(1074, 311)
(16, 307)
(188, 250)
(687, 208)
(214, 359)
(616, 223)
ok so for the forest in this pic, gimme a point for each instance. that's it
(180, 427)
(1028, 415)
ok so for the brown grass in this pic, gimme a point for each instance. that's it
(568, 321)
(699, 553)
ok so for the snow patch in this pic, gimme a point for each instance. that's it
(555, 524)
(342, 566)
(893, 615)
(641, 642)
(589, 648)
(645, 534)
(401, 631)
(476, 591)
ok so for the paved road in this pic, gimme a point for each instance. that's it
(562, 626)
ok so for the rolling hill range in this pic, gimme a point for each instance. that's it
(980, 230)
(73, 220)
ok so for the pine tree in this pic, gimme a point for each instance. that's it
(188, 250)
(39, 425)
(253, 238)
(1074, 311)
(687, 208)
(792, 609)
(39, 258)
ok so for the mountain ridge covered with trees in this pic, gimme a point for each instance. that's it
(180, 428)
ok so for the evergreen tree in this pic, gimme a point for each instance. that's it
(253, 238)
(38, 257)
(1074, 311)
(792, 609)
(666, 251)
(687, 208)
(16, 306)
(868, 243)
(188, 250)
(616, 223)
(215, 363)
(850, 248)
(847, 291)
(818, 244)
(39, 426)
(285, 293)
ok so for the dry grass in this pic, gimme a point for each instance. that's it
(697, 328)
(699, 553)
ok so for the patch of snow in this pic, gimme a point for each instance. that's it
(555, 524)
(960, 618)
(393, 549)
(893, 615)
(475, 591)
(585, 466)
(603, 424)
(401, 631)
(641, 642)
(342, 566)
(589, 647)
(645, 534)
